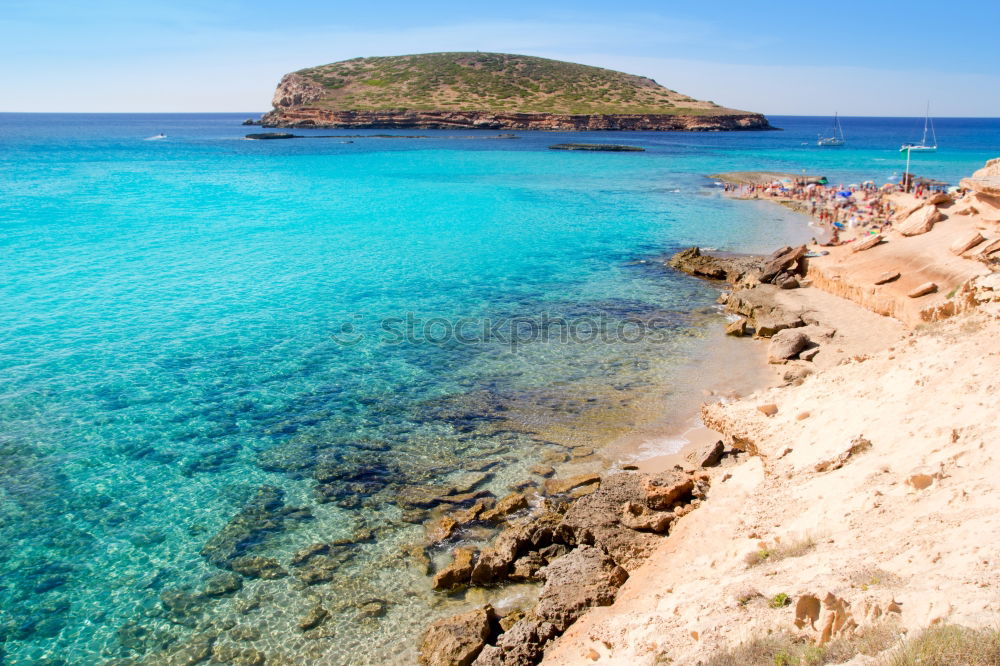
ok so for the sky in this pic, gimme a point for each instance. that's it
(778, 58)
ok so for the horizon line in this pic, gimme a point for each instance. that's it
(258, 113)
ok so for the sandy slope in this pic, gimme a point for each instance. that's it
(928, 407)
(873, 488)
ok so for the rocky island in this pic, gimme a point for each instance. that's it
(489, 91)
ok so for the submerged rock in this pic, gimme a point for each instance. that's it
(372, 608)
(263, 136)
(258, 567)
(222, 584)
(315, 617)
(194, 651)
(605, 147)
(508, 505)
(322, 568)
(457, 573)
(560, 486)
(263, 517)
(225, 654)
(294, 455)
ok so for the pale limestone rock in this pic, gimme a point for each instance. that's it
(920, 480)
(966, 242)
(858, 445)
(639, 517)
(707, 455)
(986, 180)
(785, 345)
(868, 243)
(888, 276)
(923, 290)
(666, 489)
(920, 221)
(990, 248)
(770, 409)
(808, 354)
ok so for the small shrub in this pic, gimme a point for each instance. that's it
(784, 659)
(757, 557)
(779, 600)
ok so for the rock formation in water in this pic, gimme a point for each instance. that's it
(489, 91)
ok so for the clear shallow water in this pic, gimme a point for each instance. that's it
(173, 339)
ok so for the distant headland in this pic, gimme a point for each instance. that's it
(489, 91)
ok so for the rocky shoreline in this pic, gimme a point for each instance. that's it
(315, 117)
(579, 539)
(870, 429)
(628, 532)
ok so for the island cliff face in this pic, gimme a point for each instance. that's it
(407, 119)
(489, 91)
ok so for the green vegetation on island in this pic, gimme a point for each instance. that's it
(475, 81)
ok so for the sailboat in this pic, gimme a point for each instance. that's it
(838, 135)
(923, 145)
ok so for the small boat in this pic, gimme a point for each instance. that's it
(837, 139)
(156, 137)
(923, 146)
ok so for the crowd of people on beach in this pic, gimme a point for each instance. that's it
(864, 208)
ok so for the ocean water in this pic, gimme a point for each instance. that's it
(213, 349)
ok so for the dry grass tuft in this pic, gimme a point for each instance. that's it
(780, 551)
(869, 577)
(948, 645)
(785, 649)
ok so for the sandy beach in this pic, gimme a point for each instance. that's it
(860, 410)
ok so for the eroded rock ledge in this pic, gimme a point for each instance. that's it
(580, 541)
(307, 116)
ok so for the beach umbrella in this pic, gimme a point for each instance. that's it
(845, 193)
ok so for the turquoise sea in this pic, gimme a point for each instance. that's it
(214, 349)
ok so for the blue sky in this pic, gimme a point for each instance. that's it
(779, 57)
